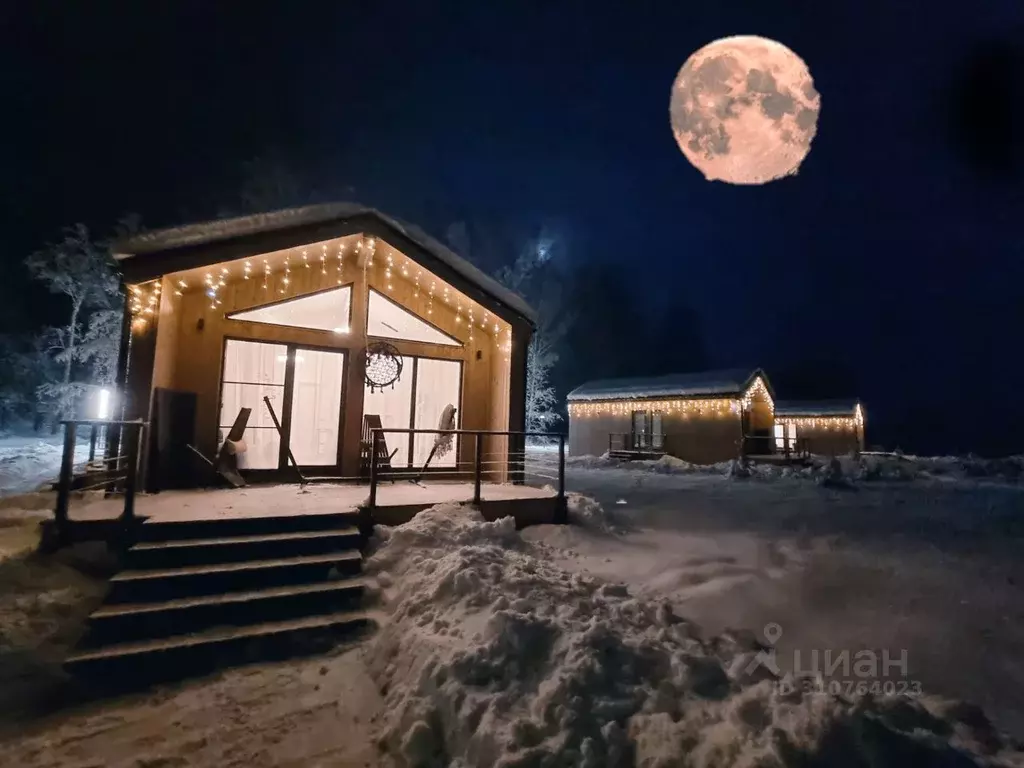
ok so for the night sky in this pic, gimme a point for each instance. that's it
(895, 256)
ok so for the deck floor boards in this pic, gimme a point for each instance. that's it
(281, 500)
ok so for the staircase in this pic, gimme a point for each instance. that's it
(198, 595)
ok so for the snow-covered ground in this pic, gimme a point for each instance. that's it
(610, 642)
(29, 461)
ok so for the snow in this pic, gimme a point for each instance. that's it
(852, 469)
(43, 601)
(494, 655)
(611, 641)
(28, 461)
(722, 382)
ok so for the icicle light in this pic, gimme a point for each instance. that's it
(684, 407)
(755, 390)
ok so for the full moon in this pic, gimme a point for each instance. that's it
(744, 110)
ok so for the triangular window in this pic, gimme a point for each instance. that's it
(386, 319)
(322, 311)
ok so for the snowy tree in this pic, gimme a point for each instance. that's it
(534, 275)
(82, 270)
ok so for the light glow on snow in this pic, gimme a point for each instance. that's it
(103, 403)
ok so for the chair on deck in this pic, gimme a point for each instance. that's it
(371, 421)
(227, 458)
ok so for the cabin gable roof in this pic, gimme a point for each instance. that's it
(150, 255)
(728, 382)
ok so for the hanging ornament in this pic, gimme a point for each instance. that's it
(383, 365)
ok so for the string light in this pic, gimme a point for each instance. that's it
(757, 390)
(826, 422)
(461, 306)
(683, 406)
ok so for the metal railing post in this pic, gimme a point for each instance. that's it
(93, 434)
(563, 510)
(67, 462)
(131, 473)
(373, 469)
(476, 469)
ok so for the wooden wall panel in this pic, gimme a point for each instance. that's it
(704, 439)
(192, 354)
(830, 442)
(588, 435)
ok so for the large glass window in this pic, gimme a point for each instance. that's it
(253, 370)
(323, 311)
(388, 320)
(316, 407)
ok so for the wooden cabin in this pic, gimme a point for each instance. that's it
(703, 417)
(283, 305)
(827, 428)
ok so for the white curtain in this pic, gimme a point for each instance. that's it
(394, 406)
(316, 407)
(437, 385)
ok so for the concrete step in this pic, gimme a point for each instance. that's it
(226, 549)
(129, 664)
(123, 622)
(166, 530)
(157, 584)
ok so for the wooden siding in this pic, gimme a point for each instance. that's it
(705, 439)
(588, 435)
(699, 439)
(831, 441)
(189, 348)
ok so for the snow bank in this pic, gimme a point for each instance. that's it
(495, 657)
(43, 603)
(823, 469)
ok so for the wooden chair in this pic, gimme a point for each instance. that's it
(371, 421)
(227, 457)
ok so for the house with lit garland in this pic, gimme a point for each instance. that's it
(705, 418)
(322, 321)
(698, 417)
(827, 428)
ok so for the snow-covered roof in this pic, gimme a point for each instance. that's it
(702, 384)
(289, 218)
(816, 408)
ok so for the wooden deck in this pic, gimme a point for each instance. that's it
(396, 502)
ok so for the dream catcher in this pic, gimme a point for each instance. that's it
(383, 365)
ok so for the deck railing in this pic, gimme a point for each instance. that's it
(636, 441)
(516, 463)
(113, 473)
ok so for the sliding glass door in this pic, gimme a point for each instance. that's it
(252, 371)
(315, 423)
(417, 400)
(305, 388)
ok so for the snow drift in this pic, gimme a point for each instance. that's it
(852, 468)
(494, 657)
